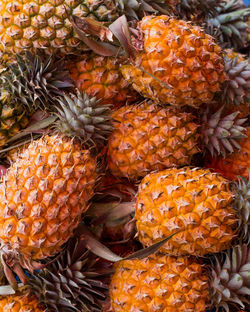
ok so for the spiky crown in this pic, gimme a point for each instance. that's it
(71, 283)
(220, 133)
(229, 279)
(242, 205)
(82, 116)
(34, 79)
(196, 9)
(136, 9)
(236, 90)
(229, 25)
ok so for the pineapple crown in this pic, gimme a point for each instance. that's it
(197, 9)
(82, 116)
(74, 282)
(136, 9)
(236, 89)
(220, 133)
(229, 25)
(229, 279)
(242, 205)
(34, 79)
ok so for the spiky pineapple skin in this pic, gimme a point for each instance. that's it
(148, 137)
(236, 164)
(159, 283)
(20, 303)
(180, 64)
(194, 202)
(101, 77)
(44, 194)
(31, 24)
(13, 118)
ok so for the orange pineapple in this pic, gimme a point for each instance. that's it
(149, 137)
(236, 164)
(202, 207)
(46, 190)
(43, 196)
(20, 303)
(177, 63)
(166, 283)
(100, 76)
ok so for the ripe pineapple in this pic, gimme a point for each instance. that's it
(166, 283)
(45, 192)
(20, 302)
(149, 137)
(47, 24)
(203, 207)
(13, 117)
(101, 77)
(236, 164)
(177, 63)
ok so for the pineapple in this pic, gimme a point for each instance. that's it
(20, 302)
(175, 62)
(100, 76)
(45, 192)
(204, 210)
(47, 24)
(13, 117)
(166, 283)
(234, 165)
(149, 137)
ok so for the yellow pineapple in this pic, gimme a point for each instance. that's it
(202, 207)
(28, 25)
(47, 24)
(166, 283)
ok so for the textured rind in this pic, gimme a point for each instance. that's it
(195, 202)
(180, 64)
(101, 77)
(20, 303)
(148, 137)
(236, 164)
(13, 118)
(32, 24)
(44, 194)
(159, 283)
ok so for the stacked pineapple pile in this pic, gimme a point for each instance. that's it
(125, 144)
